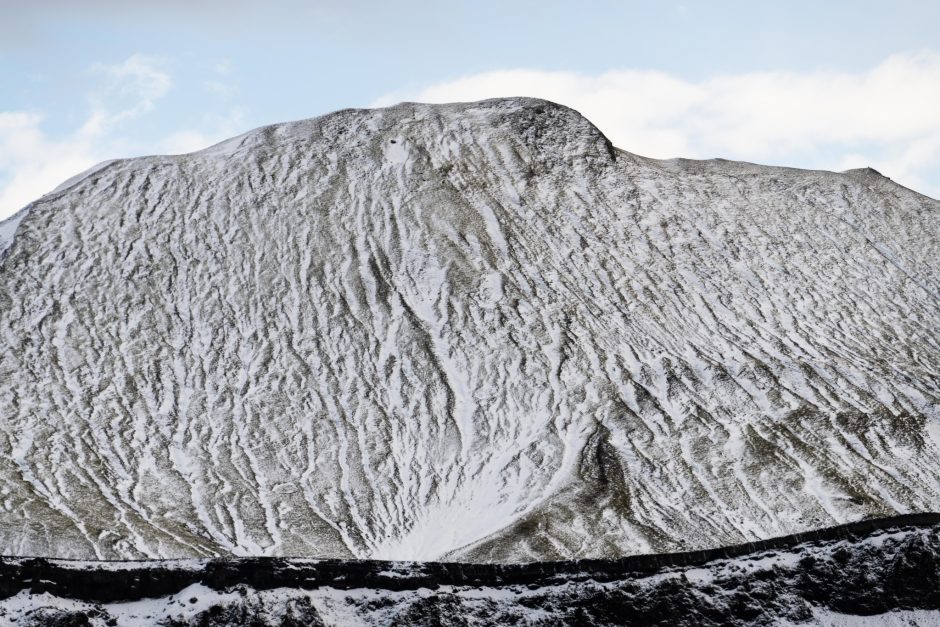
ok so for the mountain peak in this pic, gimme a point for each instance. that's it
(866, 172)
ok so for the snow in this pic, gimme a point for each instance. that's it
(439, 331)
(8, 229)
(410, 592)
(897, 618)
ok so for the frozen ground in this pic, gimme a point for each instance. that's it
(888, 574)
(473, 332)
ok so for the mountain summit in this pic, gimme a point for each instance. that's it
(469, 331)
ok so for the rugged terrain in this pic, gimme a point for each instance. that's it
(884, 572)
(468, 332)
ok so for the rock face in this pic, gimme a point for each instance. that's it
(885, 571)
(474, 332)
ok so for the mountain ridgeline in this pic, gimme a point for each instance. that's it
(470, 332)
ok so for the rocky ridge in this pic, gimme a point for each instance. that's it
(884, 571)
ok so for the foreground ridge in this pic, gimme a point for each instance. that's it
(866, 568)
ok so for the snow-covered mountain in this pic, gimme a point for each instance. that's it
(475, 332)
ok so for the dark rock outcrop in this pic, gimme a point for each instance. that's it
(865, 569)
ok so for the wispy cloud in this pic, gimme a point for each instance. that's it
(32, 162)
(139, 81)
(886, 117)
(214, 129)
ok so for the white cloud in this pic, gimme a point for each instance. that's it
(184, 141)
(33, 163)
(886, 117)
(189, 140)
(131, 89)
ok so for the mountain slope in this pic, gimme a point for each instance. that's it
(475, 331)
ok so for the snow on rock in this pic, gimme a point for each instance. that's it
(883, 573)
(471, 331)
(8, 229)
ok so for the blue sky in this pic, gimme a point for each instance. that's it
(826, 85)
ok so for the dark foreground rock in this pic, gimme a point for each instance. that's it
(336, 338)
(884, 569)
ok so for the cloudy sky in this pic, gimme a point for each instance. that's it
(830, 85)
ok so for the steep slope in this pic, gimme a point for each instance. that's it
(475, 331)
